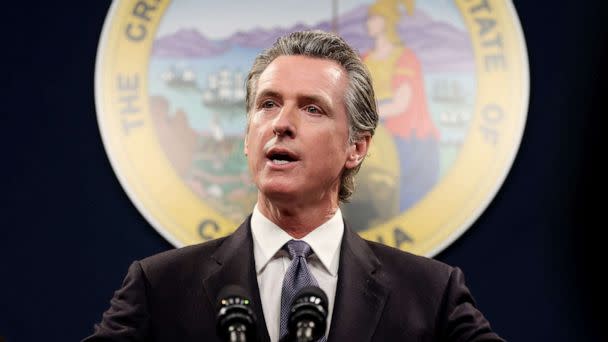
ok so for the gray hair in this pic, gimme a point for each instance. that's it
(359, 96)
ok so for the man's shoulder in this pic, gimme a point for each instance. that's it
(404, 264)
(198, 257)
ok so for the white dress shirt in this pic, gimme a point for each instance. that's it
(271, 263)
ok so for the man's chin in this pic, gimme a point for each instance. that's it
(285, 190)
(278, 193)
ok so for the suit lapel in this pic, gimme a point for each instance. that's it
(360, 296)
(236, 266)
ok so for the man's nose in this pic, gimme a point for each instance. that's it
(285, 122)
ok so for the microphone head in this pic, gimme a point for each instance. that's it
(231, 291)
(235, 312)
(310, 305)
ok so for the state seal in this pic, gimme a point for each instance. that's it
(452, 84)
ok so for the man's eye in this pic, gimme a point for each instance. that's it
(313, 109)
(268, 104)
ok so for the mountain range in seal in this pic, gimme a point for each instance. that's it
(440, 46)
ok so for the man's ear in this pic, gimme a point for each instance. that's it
(358, 150)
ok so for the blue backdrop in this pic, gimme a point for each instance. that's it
(69, 231)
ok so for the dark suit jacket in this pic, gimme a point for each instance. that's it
(383, 294)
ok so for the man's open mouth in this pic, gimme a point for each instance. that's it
(279, 157)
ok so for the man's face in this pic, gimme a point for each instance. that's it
(297, 141)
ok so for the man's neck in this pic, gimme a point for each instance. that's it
(297, 221)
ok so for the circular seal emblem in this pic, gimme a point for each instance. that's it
(451, 80)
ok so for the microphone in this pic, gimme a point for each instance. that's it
(235, 318)
(308, 315)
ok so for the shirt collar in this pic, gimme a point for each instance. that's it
(324, 240)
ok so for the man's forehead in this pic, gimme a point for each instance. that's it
(318, 75)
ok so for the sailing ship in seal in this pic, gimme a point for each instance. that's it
(225, 89)
(179, 77)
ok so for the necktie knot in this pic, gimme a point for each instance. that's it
(298, 248)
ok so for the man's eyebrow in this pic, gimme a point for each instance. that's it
(317, 99)
(302, 98)
(268, 93)
(313, 98)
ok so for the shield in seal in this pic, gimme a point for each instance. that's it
(452, 84)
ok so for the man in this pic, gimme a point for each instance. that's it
(311, 117)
